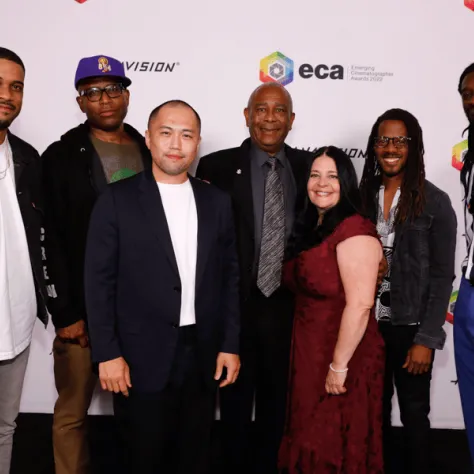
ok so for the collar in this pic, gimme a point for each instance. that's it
(261, 157)
(18, 147)
(382, 186)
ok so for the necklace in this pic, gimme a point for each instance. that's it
(3, 173)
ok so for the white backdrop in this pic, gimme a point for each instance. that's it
(419, 47)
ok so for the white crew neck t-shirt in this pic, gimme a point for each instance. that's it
(181, 215)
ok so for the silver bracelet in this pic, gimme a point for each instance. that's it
(338, 371)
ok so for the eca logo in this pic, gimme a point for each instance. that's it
(469, 4)
(276, 68)
(280, 68)
(321, 71)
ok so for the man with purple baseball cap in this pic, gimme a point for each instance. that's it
(76, 169)
(101, 66)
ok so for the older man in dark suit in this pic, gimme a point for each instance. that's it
(267, 182)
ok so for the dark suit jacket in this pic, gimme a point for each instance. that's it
(132, 284)
(230, 171)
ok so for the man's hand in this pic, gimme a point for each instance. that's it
(75, 331)
(383, 269)
(232, 363)
(418, 359)
(114, 376)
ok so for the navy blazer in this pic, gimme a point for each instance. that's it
(132, 283)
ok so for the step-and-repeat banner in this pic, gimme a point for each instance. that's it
(343, 62)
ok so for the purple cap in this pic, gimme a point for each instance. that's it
(101, 66)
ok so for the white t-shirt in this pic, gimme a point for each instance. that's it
(181, 215)
(17, 289)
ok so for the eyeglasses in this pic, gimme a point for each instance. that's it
(94, 94)
(398, 142)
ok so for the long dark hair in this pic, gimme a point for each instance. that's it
(412, 191)
(468, 160)
(307, 233)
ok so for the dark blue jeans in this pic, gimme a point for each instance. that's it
(464, 353)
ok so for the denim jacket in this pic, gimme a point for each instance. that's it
(422, 270)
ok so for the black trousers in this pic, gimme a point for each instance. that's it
(169, 432)
(413, 393)
(266, 328)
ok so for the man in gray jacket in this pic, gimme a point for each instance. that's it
(417, 226)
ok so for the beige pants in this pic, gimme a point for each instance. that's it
(75, 383)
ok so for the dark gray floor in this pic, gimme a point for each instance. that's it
(32, 452)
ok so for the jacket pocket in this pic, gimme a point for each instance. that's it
(413, 264)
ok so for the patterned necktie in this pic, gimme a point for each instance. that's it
(273, 233)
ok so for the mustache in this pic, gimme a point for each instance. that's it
(7, 103)
(391, 155)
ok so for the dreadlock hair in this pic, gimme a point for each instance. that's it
(468, 160)
(412, 192)
(466, 72)
(306, 232)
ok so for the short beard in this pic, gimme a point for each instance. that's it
(395, 173)
(392, 175)
(470, 115)
(5, 124)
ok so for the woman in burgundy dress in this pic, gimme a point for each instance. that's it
(334, 419)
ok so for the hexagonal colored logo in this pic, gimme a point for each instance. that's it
(452, 304)
(469, 4)
(459, 152)
(277, 68)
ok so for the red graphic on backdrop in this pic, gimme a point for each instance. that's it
(469, 4)
(84, 1)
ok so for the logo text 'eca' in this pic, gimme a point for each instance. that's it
(321, 71)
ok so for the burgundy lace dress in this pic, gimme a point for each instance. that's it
(329, 434)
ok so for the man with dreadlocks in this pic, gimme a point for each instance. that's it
(417, 226)
(464, 310)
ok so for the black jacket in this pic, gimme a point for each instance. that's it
(28, 189)
(71, 190)
(422, 271)
(133, 286)
(230, 171)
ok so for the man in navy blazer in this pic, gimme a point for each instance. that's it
(161, 282)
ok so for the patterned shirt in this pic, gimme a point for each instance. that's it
(386, 231)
